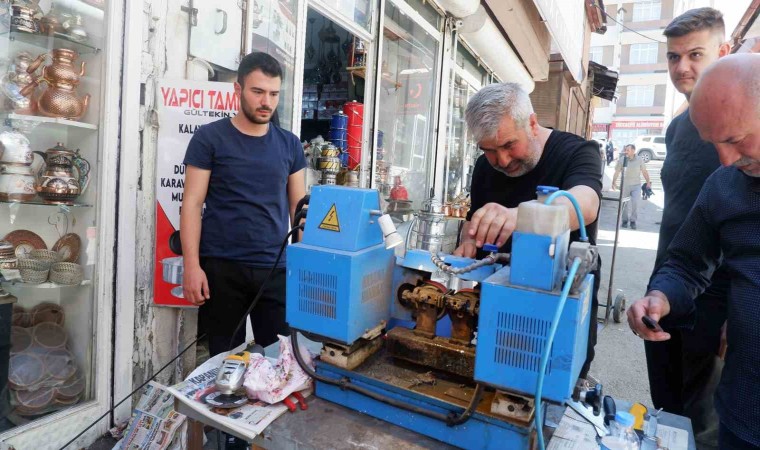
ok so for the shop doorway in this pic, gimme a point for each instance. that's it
(332, 108)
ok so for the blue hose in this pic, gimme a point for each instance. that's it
(549, 341)
(578, 212)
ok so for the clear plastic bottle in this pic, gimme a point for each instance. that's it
(622, 436)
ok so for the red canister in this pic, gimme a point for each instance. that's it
(355, 113)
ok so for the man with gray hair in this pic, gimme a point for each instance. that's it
(518, 156)
(722, 229)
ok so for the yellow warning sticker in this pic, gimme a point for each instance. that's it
(330, 222)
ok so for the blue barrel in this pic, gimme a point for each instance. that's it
(380, 139)
(335, 134)
(339, 121)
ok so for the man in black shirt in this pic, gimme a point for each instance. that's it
(684, 371)
(518, 156)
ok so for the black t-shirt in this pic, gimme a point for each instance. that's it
(567, 161)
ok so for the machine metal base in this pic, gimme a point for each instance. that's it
(438, 353)
(484, 430)
(350, 357)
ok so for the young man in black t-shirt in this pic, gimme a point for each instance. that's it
(518, 156)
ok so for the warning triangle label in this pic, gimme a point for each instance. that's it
(330, 222)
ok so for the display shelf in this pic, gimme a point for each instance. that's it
(21, 120)
(361, 72)
(57, 40)
(45, 285)
(44, 203)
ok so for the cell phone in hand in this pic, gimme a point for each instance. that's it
(651, 324)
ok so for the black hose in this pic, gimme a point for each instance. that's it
(301, 203)
(450, 419)
(241, 324)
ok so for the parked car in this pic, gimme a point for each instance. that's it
(650, 147)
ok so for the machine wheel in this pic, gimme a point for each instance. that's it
(646, 155)
(618, 307)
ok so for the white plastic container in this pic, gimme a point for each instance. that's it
(537, 218)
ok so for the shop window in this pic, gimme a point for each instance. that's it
(625, 136)
(332, 106)
(647, 10)
(272, 29)
(407, 99)
(644, 53)
(357, 11)
(461, 151)
(640, 96)
(50, 172)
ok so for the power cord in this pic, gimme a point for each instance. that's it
(239, 326)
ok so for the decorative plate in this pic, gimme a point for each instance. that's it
(68, 246)
(25, 241)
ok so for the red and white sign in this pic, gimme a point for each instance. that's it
(638, 124)
(183, 106)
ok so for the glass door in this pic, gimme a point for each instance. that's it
(52, 168)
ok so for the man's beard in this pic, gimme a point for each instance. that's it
(251, 116)
(744, 161)
(523, 166)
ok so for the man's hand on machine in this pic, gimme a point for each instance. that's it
(644, 314)
(493, 223)
(195, 285)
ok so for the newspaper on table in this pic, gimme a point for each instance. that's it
(155, 425)
(248, 420)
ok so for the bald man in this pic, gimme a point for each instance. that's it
(723, 228)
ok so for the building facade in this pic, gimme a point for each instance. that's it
(634, 47)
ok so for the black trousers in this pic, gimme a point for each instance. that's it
(233, 287)
(684, 371)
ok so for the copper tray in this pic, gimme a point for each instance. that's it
(24, 241)
(68, 246)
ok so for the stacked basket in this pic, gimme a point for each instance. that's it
(43, 375)
(43, 265)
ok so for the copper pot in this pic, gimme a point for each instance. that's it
(60, 99)
(57, 181)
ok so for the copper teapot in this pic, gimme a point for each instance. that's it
(60, 99)
(57, 182)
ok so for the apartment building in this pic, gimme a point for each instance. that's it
(635, 47)
(646, 100)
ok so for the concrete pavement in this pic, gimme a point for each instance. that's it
(620, 363)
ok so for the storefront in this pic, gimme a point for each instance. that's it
(58, 184)
(626, 131)
(385, 82)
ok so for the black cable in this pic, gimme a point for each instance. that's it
(134, 392)
(301, 203)
(619, 23)
(263, 285)
(450, 419)
(245, 316)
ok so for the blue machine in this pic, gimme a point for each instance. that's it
(339, 276)
(342, 281)
(517, 305)
(513, 326)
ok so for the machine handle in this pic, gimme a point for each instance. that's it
(224, 21)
